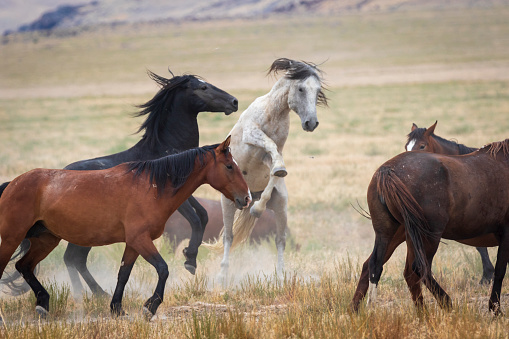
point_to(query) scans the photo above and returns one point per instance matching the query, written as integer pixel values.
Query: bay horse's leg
(363, 284)
(145, 247)
(75, 258)
(228, 208)
(487, 267)
(500, 269)
(414, 278)
(126, 266)
(278, 203)
(40, 247)
(197, 217)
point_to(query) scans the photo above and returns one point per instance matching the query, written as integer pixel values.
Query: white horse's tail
(242, 227)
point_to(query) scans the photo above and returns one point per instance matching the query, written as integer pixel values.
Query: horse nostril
(316, 125)
(235, 103)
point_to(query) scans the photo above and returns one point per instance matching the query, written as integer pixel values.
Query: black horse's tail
(400, 202)
(13, 282)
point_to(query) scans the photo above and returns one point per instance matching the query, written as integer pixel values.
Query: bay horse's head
(225, 176)
(421, 139)
(305, 91)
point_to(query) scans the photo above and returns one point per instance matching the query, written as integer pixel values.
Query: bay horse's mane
(418, 133)
(300, 70)
(175, 167)
(157, 108)
(495, 147)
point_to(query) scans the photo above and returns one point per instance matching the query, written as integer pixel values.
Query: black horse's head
(195, 93)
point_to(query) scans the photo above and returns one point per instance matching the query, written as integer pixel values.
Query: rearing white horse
(257, 142)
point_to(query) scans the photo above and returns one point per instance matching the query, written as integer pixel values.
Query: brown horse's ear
(226, 144)
(431, 129)
(414, 127)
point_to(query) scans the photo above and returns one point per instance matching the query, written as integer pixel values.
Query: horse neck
(277, 100)
(179, 132)
(451, 148)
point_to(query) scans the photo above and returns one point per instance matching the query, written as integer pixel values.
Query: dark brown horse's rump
(177, 229)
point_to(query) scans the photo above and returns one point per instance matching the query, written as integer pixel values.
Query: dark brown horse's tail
(13, 282)
(399, 200)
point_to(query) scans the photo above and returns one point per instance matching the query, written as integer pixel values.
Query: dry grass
(64, 99)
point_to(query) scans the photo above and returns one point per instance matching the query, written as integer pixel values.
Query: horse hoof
(147, 314)
(190, 268)
(279, 172)
(41, 312)
(255, 212)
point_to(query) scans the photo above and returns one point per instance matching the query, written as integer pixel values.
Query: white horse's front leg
(260, 205)
(228, 216)
(256, 137)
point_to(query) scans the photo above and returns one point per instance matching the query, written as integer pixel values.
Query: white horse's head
(305, 89)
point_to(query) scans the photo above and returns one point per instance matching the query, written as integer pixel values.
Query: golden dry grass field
(67, 97)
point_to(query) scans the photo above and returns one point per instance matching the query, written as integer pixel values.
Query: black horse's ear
(414, 127)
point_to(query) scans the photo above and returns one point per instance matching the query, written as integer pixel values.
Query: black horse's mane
(175, 167)
(156, 108)
(418, 133)
(300, 70)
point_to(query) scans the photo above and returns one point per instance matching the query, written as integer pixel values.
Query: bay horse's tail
(401, 204)
(14, 281)
(242, 227)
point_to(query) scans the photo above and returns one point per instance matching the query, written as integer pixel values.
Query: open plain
(70, 95)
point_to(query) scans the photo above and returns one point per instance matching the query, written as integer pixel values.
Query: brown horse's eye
(422, 147)
(229, 166)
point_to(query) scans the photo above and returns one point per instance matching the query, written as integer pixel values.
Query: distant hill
(71, 13)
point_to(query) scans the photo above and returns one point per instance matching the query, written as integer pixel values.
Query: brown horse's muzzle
(243, 201)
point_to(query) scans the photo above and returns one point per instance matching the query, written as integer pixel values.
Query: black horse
(171, 126)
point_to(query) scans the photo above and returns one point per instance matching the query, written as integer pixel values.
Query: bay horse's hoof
(41, 312)
(190, 268)
(190, 263)
(279, 172)
(147, 314)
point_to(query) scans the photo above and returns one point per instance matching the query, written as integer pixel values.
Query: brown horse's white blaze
(128, 203)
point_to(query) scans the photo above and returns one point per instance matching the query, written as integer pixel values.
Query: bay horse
(430, 196)
(424, 139)
(170, 126)
(257, 144)
(128, 203)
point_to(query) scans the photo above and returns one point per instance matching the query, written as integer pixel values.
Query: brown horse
(429, 196)
(128, 203)
(176, 232)
(424, 139)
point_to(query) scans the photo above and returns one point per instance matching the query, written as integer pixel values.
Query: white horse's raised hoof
(147, 314)
(279, 172)
(256, 210)
(41, 312)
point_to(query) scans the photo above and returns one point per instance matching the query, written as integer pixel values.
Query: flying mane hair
(174, 167)
(495, 147)
(300, 70)
(419, 132)
(156, 108)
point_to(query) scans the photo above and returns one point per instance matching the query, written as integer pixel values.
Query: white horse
(257, 142)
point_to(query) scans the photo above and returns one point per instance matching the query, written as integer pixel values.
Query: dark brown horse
(429, 196)
(176, 232)
(128, 203)
(424, 139)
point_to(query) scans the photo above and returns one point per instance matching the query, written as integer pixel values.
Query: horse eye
(422, 147)
(229, 166)
(300, 89)
(204, 87)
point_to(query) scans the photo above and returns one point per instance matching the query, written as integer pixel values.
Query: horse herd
(417, 197)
